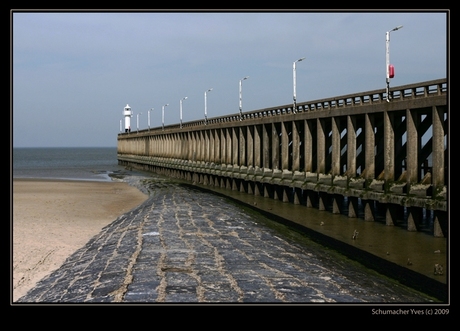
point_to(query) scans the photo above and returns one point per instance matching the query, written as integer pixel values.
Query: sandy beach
(51, 219)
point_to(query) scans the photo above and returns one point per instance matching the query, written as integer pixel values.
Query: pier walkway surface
(185, 245)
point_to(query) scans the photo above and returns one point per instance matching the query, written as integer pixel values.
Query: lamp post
(163, 115)
(138, 121)
(148, 116)
(181, 111)
(294, 109)
(121, 130)
(387, 63)
(241, 100)
(206, 107)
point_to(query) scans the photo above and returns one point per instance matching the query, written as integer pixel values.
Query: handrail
(410, 91)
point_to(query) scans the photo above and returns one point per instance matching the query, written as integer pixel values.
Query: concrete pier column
(389, 148)
(268, 190)
(311, 198)
(235, 146)
(207, 145)
(202, 145)
(275, 192)
(258, 146)
(351, 146)
(323, 200)
(287, 191)
(222, 146)
(199, 146)
(243, 186)
(229, 146)
(195, 153)
(412, 122)
(298, 196)
(191, 146)
(164, 148)
(147, 146)
(295, 146)
(321, 146)
(228, 183)
(250, 187)
(266, 129)
(170, 138)
(234, 184)
(440, 223)
(212, 144)
(223, 182)
(211, 180)
(174, 145)
(414, 217)
(250, 145)
(242, 146)
(337, 203)
(369, 148)
(178, 144)
(392, 214)
(438, 168)
(275, 147)
(353, 207)
(205, 179)
(308, 146)
(335, 166)
(258, 188)
(369, 212)
(284, 147)
(184, 145)
(168, 146)
(218, 149)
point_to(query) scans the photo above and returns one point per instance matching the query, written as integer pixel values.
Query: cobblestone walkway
(185, 246)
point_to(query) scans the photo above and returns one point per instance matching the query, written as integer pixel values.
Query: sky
(73, 72)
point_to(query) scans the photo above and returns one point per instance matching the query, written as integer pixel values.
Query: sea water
(76, 163)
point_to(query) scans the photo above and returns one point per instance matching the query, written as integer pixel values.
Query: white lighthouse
(128, 113)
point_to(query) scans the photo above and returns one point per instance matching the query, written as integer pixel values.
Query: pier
(357, 154)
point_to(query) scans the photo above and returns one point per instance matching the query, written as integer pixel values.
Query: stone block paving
(183, 245)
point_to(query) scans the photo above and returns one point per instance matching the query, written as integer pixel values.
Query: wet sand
(51, 219)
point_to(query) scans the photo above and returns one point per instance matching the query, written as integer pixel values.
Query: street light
(181, 111)
(138, 121)
(148, 116)
(294, 83)
(387, 43)
(206, 107)
(163, 115)
(241, 101)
